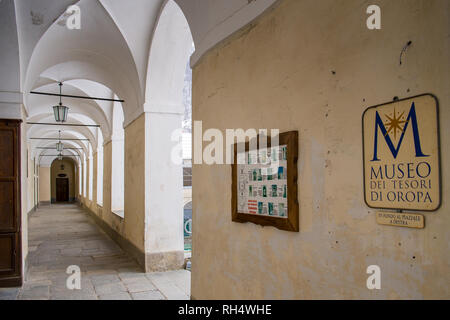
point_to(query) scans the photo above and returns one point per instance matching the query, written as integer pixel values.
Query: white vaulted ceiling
(115, 54)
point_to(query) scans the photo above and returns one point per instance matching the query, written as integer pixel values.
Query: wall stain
(37, 18)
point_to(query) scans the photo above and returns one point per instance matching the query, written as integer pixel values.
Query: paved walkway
(64, 235)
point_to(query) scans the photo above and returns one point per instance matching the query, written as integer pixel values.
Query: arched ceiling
(76, 163)
(88, 112)
(114, 54)
(97, 52)
(136, 21)
(169, 53)
(46, 148)
(71, 147)
(214, 20)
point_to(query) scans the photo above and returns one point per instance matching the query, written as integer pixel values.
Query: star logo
(395, 122)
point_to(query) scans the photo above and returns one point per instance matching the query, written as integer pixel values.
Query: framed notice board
(264, 183)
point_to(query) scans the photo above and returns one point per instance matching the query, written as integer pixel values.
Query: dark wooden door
(62, 189)
(10, 217)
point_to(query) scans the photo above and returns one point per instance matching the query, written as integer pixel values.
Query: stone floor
(64, 235)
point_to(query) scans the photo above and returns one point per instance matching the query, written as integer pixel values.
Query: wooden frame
(291, 223)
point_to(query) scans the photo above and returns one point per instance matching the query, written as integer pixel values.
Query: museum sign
(401, 155)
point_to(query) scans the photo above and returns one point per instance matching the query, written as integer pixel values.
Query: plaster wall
(153, 192)
(104, 211)
(30, 179)
(9, 55)
(107, 176)
(44, 184)
(24, 193)
(313, 66)
(134, 183)
(77, 181)
(134, 232)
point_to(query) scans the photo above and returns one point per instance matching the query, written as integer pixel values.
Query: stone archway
(63, 180)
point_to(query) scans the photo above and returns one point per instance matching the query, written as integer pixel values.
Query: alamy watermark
(74, 279)
(374, 280)
(73, 21)
(220, 149)
(374, 20)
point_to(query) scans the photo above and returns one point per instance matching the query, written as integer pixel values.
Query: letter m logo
(379, 126)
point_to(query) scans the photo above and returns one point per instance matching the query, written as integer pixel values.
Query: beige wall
(30, 176)
(154, 234)
(44, 184)
(135, 182)
(278, 73)
(24, 194)
(104, 212)
(131, 227)
(69, 170)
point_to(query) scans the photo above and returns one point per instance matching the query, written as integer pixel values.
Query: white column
(164, 196)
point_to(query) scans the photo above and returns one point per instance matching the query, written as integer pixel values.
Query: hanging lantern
(59, 147)
(60, 111)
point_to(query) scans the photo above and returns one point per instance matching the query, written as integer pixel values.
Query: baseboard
(164, 261)
(11, 282)
(31, 212)
(124, 243)
(26, 267)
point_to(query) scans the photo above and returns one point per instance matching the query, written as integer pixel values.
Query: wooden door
(62, 189)
(10, 216)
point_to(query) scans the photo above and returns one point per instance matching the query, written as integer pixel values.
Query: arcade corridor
(262, 149)
(64, 235)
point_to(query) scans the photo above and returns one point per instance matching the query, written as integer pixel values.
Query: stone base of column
(164, 261)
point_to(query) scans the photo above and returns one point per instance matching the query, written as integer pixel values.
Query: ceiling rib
(59, 139)
(76, 97)
(65, 124)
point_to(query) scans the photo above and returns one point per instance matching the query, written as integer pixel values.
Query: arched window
(100, 168)
(91, 173)
(118, 159)
(84, 176)
(80, 179)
